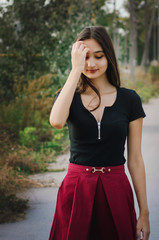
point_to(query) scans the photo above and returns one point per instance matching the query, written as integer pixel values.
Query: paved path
(36, 225)
(151, 158)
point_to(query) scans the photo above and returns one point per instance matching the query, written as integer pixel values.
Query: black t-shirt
(102, 144)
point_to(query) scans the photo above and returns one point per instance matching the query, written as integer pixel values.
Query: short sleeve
(136, 107)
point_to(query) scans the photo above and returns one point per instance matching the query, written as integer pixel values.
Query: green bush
(11, 115)
(11, 207)
(58, 143)
(153, 70)
(147, 92)
(28, 136)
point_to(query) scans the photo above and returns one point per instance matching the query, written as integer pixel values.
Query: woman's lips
(92, 70)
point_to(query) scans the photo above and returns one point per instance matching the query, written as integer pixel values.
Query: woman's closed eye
(98, 57)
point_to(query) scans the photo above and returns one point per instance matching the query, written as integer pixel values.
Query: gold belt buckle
(98, 170)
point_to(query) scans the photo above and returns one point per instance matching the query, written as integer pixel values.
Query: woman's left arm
(137, 171)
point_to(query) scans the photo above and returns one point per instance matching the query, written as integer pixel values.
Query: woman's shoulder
(128, 92)
(130, 96)
(134, 103)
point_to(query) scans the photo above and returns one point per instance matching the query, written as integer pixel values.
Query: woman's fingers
(78, 55)
(138, 233)
(143, 228)
(82, 46)
(77, 45)
(145, 233)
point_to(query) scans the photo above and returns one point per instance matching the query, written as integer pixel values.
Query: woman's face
(96, 63)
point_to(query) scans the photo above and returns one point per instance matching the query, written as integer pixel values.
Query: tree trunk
(126, 50)
(158, 33)
(133, 37)
(154, 41)
(147, 35)
(114, 27)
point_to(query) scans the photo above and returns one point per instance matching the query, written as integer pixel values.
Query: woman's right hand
(78, 55)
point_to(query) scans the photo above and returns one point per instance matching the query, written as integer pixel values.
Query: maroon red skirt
(94, 204)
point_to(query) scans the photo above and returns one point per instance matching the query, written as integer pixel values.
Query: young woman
(95, 199)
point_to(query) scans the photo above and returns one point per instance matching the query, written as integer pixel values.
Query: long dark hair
(100, 34)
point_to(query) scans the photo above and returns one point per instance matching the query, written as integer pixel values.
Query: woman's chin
(92, 75)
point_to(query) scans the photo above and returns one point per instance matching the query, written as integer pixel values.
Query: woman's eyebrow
(99, 51)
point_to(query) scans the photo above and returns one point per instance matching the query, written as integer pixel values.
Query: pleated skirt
(94, 204)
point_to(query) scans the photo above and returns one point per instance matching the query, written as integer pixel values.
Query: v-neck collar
(106, 107)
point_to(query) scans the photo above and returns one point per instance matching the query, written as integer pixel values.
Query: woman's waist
(96, 170)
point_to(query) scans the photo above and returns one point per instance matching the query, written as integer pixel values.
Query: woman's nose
(90, 62)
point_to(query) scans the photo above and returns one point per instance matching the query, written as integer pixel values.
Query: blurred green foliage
(147, 92)
(154, 70)
(28, 136)
(36, 38)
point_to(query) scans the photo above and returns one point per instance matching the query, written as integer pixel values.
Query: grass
(143, 84)
(56, 170)
(16, 163)
(12, 208)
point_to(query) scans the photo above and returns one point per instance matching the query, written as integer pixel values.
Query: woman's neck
(102, 85)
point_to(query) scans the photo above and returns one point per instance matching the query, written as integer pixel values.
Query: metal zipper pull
(98, 130)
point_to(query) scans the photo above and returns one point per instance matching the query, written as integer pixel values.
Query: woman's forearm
(60, 109)
(137, 172)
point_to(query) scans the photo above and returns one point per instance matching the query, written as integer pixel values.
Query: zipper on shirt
(99, 129)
